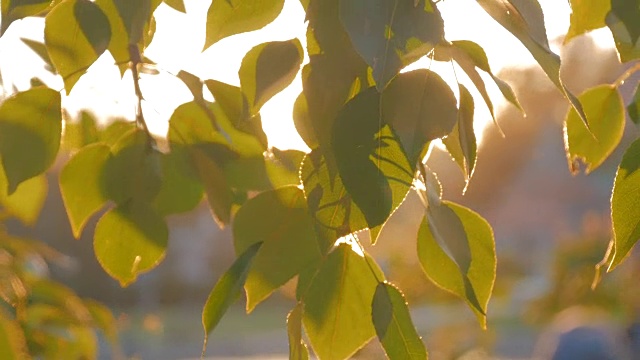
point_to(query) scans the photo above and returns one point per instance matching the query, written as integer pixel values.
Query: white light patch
(351, 240)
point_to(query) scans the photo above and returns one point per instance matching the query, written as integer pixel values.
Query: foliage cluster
(295, 215)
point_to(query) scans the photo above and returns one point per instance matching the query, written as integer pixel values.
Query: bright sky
(179, 40)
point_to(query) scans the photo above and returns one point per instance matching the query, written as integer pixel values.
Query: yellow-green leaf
(586, 15)
(267, 69)
(81, 185)
(13, 10)
(12, 340)
(181, 189)
(297, 348)
(457, 252)
(129, 240)
(461, 143)
(76, 33)
(622, 20)
(230, 17)
(337, 311)
(279, 220)
(604, 108)
(177, 5)
(625, 205)
(226, 291)
(393, 324)
(27, 201)
(30, 127)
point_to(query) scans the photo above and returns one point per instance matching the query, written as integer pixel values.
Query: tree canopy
(298, 215)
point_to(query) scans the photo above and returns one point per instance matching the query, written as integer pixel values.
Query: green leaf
(268, 69)
(230, 17)
(181, 189)
(605, 117)
(115, 131)
(30, 127)
(219, 195)
(420, 107)
(337, 311)
(177, 5)
(13, 10)
(625, 205)
(226, 291)
(81, 132)
(12, 339)
(369, 157)
(622, 20)
(586, 15)
(130, 240)
(134, 156)
(457, 252)
(131, 22)
(524, 19)
(235, 106)
(76, 33)
(80, 185)
(41, 50)
(27, 201)
(393, 324)
(302, 121)
(390, 35)
(461, 143)
(634, 107)
(280, 220)
(297, 348)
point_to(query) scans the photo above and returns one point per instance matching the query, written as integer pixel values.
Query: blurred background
(551, 228)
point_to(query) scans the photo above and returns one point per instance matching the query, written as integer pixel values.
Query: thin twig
(134, 55)
(625, 75)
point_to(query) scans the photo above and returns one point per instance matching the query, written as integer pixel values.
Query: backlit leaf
(226, 291)
(302, 121)
(279, 220)
(30, 127)
(103, 319)
(267, 69)
(390, 35)
(297, 348)
(13, 10)
(27, 201)
(181, 189)
(12, 340)
(524, 19)
(177, 5)
(420, 107)
(129, 240)
(586, 15)
(622, 21)
(604, 108)
(134, 156)
(230, 17)
(370, 159)
(41, 50)
(393, 324)
(337, 311)
(215, 185)
(76, 33)
(625, 205)
(461, 143)
(80, 185)
(457, 252)
(634, 107)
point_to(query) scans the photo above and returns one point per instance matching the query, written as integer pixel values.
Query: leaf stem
(625, 75)
(136, 59)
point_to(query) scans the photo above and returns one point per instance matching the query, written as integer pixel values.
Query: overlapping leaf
(604, 108)
(12, 10)
(586, 15)
(76, 33)
(230, 17)
(625, 205)
(420, 107)
(80, 185)
(337, 312)
(12, 340)
(27, 201)
(129, 240)
(461, 143)
(456, 250)
(373, 167)
(393, 324)
(297, 348)
(181, 189)
(226, 291)
(279, 219)
(622, 20)
(634, 107)
(30, 127)
(267, 69)
(389, 35)
(177, 5)
(524, 19)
